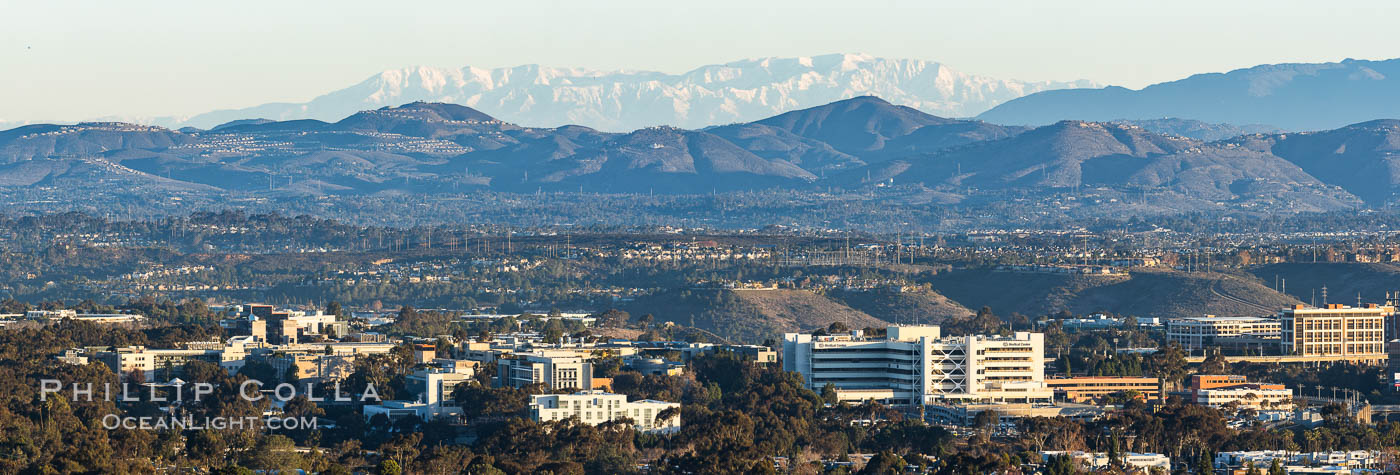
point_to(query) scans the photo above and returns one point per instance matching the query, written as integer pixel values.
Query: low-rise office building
(1255, 396)
(1145, 462)
(1221, 389)
(1209, 331)
(1303, 462)
(1088, 389)
(397, 409)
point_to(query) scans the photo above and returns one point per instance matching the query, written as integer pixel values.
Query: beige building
(313, 366)
(1091, 388)
(149, 361)
(1335, 332)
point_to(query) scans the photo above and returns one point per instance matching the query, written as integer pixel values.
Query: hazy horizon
(98, 59)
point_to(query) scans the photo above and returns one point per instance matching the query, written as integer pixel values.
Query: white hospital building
(916, 365)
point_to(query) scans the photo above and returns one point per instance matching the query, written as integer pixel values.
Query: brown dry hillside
(749, 315)
(917, 306)
(1344, 280)
(1143, 293)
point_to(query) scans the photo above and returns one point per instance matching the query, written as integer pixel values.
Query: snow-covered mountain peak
(737, 91)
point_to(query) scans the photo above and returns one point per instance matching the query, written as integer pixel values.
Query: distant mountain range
(863, 143)
(1110, 156)
(740, 91)
(1261, 99)
(1297, 96)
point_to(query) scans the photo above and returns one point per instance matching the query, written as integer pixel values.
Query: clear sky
(67, 60)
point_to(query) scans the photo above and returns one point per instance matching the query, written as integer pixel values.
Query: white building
(438, 383)
(1197, 333)
(1252, 396)
(1304, 462)
(397, 409)
(914, 365)
(316, 323)
(542, 367)
(434, 387)
(1094, 321)
(83, 317)
(596, 407)
(1098, 460)
(266, 323)
(73, 356)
